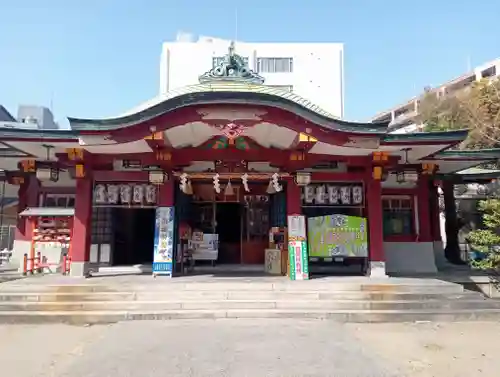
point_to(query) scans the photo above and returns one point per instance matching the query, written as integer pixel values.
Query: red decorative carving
(231, 130)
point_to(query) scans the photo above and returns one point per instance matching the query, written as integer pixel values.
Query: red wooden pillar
(424, 204)
(28, 197)
(375, 228)
(293, 198)
(82, 228)
(166, 193)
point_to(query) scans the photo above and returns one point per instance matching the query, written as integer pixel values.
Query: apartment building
(314, 71)
(403, 117)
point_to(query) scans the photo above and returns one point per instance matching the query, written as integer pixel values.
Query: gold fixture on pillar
(380, 156)
(429, 168)
(28, 166)
(378, 173)
(75, 154)
(79, 171)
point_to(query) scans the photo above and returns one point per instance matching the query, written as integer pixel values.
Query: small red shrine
(234, 157)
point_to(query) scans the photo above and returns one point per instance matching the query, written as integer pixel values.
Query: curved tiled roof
(227, 92)
(240, 87)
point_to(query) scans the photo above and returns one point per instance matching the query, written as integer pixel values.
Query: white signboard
(297, 227)
(333, 194)
(125, 194)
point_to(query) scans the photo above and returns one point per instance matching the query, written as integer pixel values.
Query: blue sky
(98, 58)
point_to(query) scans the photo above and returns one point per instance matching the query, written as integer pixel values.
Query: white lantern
(151, 194)
(157, 177)
(302, 178)
(138, 193)
(113, 194)
(125, 194)
(47, 174)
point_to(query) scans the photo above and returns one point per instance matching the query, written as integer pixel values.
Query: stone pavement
(251, 348)
(185, 348)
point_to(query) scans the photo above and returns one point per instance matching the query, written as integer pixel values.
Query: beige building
(403, 118)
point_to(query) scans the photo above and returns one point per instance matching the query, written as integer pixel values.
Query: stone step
(351, 305)
(303, 286)
(229, 295)
(73, 317)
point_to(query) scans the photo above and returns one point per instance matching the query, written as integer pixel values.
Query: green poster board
(337, 236)
(299, 263)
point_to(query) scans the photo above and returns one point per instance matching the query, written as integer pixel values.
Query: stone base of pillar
(377, 270)
(79, 269)
(439, 257)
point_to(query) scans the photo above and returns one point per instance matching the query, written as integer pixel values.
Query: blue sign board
(164, 241)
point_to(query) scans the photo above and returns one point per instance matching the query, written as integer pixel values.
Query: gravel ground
(434, 349)
(250, 348)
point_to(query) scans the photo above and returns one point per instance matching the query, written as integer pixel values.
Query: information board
(299, 263)
(337, 236)
(164, 241)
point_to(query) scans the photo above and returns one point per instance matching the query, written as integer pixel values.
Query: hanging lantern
(157, 177)
(406, 176)
(47, 174)
(400, 177)
(302, 178)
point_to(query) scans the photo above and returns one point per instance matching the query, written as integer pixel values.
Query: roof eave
(448, 137)
(226, 97)
(473, 154)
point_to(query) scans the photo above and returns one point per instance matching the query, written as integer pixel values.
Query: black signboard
(334, 194)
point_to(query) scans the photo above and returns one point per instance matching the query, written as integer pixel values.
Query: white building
(403, 117)
(314, 71)
(29, 117)
(40, 116)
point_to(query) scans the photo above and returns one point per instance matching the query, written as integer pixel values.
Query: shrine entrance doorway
(229, 228)
(237, 218)
(133, 234)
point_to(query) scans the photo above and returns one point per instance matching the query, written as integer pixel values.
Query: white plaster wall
(20, 248)
(53, 255)
(317, 67)
(410, 257)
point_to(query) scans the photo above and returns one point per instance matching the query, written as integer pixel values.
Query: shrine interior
(228, 227)
(133, 231)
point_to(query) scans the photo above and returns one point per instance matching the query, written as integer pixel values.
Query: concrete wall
(317, 67)
(410, 257)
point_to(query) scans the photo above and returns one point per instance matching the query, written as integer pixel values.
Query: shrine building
(234, 158)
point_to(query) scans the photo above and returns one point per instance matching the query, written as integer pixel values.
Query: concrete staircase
(346, 300)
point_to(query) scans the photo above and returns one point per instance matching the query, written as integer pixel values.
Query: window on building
(398, 215)
(274, 65)
(286, 88)
(490, 72)
(219, 59)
